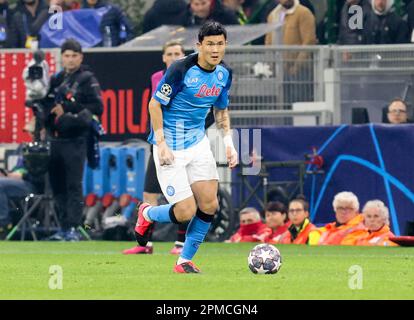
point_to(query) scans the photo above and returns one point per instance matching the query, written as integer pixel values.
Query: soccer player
(185, 165)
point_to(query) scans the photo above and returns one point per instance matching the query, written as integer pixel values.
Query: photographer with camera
(36, 79)
(73, 100)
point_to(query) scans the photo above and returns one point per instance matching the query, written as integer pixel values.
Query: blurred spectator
(298, 29)
(410, 20)
(375, 229)
(66, 5)
(164, 12)
(199, 11)
(384, 26)
(115, 26)
(276, 219)
(252, 229)
(346, 207)
(397, 112)
(348, 36)
(298, 24)
(298, 232)
(237, 7)
(6, 15)
(26, 23)
(272, 4)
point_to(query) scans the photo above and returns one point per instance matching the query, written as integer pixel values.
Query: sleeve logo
(166, 89)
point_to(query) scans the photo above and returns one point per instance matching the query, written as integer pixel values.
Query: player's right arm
(166, 90)
(165, 155)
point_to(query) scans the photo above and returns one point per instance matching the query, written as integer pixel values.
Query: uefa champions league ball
(264, 259)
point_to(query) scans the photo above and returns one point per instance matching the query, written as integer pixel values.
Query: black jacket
(219, 13)
(24, 24)
(6, 15)
(6, 12)
(410, 17)
(80, 95)
(386, 29)
(116, 20)
(164, 12)
(348, 36)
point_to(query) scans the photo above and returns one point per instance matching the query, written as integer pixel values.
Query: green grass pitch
(98, 270)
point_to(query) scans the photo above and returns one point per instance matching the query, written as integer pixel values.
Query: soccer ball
(264, 259)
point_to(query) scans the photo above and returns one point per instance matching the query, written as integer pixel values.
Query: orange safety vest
(302, 237)
(333, 235)
(366, 238)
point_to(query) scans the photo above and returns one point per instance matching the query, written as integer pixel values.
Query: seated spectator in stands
(375, 230)
(276, 219)
(16, 183)
(6, 15)
(237, 7)
(298, 232)
(252, 229)
(397, 112)
(199, 11)
(26, 23)
(346, 207)
(384, 26)
(114, 22)
(347, 34)
(164, 12)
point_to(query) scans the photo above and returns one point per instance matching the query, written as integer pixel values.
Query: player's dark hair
(211, 28)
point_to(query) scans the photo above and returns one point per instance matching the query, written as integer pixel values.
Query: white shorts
(190, 165)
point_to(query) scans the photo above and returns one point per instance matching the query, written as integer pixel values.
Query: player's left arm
(223, 124)
(222, 118)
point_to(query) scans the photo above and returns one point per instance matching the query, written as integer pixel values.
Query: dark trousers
(10, 188)
(66, 172)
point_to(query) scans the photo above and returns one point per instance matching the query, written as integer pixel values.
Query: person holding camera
(36, 79)
(73, 100)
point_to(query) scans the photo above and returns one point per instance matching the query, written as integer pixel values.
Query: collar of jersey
(205, 70)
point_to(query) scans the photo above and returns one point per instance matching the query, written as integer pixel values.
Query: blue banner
(372, 161)
(82, 25)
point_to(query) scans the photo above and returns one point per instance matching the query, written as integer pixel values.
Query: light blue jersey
(186, 93)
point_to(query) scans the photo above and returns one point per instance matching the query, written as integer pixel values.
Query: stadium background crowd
(305, 23)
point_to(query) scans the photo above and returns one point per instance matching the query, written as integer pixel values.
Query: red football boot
(139, 250)
(186, 267)
(142, 227)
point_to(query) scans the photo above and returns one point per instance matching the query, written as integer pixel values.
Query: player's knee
(209, 207)
(185, 211)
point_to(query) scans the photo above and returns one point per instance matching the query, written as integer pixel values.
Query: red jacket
(251, 232)
(277, 232)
